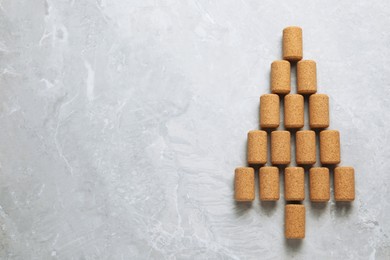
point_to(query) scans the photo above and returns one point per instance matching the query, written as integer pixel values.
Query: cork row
(305, 147)
(294, 111)
(294, 184)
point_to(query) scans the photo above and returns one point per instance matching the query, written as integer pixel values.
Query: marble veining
(122, 123)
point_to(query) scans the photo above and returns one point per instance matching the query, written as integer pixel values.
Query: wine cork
(244, 184)
(294, 184)
(257, 147)
(269, 111)
(330, 147)
(305, 147)
(319, 111)
(269, 183)
(306, 77)
(294, 111)
(319, 184)
(344, 183)
(280, 147)
(280, 77)
(292, 43)
(294, 221)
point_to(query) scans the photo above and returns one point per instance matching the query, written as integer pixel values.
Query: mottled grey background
(121, 123)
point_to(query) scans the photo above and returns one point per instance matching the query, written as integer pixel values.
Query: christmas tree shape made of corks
(306, 142)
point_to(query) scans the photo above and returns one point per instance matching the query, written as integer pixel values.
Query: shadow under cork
(293, 245)
(268, 207)
(343, 208)
(242, 207)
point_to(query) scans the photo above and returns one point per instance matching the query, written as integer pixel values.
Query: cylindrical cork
(330, 147)
(269, 111)
(244, 184)
(319, 184)
(344, 184)
(305, 147)
(306, 77)
(257, 147)
(294, 184)
(292, 43)
(269, 183)
(319, 111)
(294, 111)
(280, 77)
(294, 221)
(280, 147)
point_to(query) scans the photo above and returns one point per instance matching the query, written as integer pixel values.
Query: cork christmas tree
(305, 142)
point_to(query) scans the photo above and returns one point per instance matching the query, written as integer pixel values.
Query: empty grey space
(121, 124)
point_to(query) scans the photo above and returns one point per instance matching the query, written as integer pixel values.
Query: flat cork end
(292, 58)
(292, 27)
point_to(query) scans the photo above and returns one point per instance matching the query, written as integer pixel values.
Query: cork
(319, 184)
(294, 111)
(280, 147)
(306, 77)
(269, 111)
(294, 184)
(257, 147)
(280, 77)
(294, 221)
(305, 147)
(292, 43)
(319, 111)
(344, 183)
(269, 183)
(244, 184)
(330, 147)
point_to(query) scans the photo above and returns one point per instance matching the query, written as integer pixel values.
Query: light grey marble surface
(122, 122)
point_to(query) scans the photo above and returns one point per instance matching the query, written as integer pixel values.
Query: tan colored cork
(330, 147)
(280, 147)
(244, 184)
(257, 147)
(294, 221)
(305, 147)
(294, 111)
(292, 43)
(344, 183)
(319, 184)
(269, 111)
(294, 184)
(319, 111)
(306, 77)
(269, 183)
(280, 77)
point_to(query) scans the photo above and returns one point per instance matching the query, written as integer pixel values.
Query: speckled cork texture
(319, 184)
(269, 183)
(344, 183)
(330, 147)
(280, 147)
(257, 147)
(305, 147)
(292, 43)
(244, 184)
(306, 77)
(269, 111)
(280, 77)
(294, 221)
(294, 111)
(294, 184)
(319, 111)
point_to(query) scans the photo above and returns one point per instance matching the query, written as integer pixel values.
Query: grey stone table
(122, 122)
